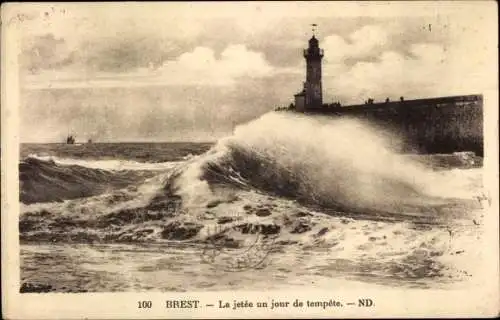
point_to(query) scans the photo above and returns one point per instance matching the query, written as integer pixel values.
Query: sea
(284, 202)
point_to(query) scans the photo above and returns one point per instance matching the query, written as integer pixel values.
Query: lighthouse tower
(311, 96)
(312, 86)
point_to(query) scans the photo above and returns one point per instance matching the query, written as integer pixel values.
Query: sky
(191, 71)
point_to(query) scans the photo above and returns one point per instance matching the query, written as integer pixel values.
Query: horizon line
(104, 142)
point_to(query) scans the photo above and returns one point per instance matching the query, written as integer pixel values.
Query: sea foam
(339, 163)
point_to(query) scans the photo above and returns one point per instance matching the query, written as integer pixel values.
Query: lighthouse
(311, 97)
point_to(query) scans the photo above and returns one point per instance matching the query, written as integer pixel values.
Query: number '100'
(144, 304)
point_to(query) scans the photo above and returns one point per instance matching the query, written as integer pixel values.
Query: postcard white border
(480, 299)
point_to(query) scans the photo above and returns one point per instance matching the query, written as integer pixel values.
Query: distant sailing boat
(70, 139)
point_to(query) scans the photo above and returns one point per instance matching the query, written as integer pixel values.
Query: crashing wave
(265, 179)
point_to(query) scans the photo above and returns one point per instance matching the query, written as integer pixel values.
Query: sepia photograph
(219, 147)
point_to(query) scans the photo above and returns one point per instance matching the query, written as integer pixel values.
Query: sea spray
(341, 163)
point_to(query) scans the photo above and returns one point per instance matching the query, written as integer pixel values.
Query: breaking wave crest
(113, 165)
(340, 164)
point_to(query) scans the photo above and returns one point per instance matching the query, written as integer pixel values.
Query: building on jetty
(434, 125)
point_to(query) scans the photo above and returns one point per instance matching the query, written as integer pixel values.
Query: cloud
(429, 72)
(45, 52)
(362, 43)
(199, 67)
(367, 38)
(122, 54)
(366, 64)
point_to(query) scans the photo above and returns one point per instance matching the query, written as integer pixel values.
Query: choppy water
(285, 201)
